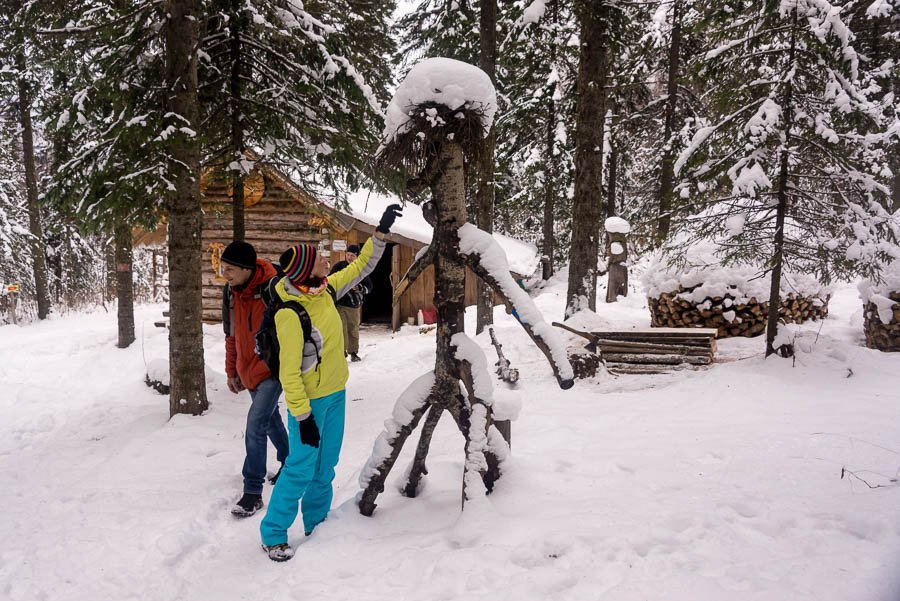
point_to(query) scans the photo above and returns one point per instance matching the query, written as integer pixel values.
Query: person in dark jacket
(242, 313)
(349, 306)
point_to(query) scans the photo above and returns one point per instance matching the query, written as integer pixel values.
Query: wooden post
(617, 247)
(12, 307)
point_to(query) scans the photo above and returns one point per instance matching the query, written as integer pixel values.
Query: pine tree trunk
(34, 214)
(484, 215)
(449, 276)
(547, 244)
(778, 255)
(593, 69)
(187, 393)
(895, 169)
(237, 126)
(667, 172)
(611, 185)
(124, 283)
(109, 290)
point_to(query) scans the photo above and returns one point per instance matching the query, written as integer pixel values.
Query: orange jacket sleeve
(230, 357)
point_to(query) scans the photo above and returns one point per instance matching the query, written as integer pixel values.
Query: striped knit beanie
(298, 262)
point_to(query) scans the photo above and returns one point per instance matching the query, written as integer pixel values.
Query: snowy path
(697, 485)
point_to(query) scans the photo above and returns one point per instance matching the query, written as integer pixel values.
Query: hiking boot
(281, 552)
(247, 506)
(354, 357)
(274, 479)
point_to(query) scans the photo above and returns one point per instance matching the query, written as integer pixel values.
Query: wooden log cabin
(278, 213)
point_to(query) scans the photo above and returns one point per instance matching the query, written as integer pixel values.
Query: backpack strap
(228, 310)
(305, 325)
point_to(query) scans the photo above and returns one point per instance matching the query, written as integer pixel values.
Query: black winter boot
(281, 552)
(247, 505)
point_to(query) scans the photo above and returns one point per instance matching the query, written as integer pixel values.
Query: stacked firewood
(879, 335)
(729, 317)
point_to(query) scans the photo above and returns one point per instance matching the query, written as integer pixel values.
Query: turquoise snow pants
(307, 473)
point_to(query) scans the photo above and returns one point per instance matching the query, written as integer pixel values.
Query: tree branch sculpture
(433, 145)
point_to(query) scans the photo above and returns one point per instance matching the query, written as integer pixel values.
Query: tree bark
(484, 214)
(34, 213)
(613, 180)
(186, 366)
(547, 244)
(778, 255)
(667, 171)
(418, 469)
(237, 126)
(449, 275)
(593, 70)
(124, 283)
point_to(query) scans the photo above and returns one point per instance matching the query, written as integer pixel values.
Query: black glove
(387, 219)
(309, 431)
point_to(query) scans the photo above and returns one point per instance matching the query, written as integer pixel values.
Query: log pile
(881, 336)
(645, 350)
(729, 317)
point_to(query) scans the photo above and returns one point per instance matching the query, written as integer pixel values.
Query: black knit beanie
(240, 254)
(353, 249)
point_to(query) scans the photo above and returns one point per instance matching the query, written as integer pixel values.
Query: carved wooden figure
(434, 148)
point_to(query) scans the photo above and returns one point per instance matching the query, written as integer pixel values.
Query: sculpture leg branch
(375, 486)
(418, 466)
(473, 263)
(477, 442)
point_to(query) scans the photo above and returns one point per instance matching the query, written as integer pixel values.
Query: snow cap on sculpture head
(440, 100)
(298, 262)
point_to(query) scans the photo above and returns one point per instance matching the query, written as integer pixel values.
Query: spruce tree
(20, 78)
(786, 101)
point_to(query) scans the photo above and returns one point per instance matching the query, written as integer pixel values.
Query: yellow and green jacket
(302, 376)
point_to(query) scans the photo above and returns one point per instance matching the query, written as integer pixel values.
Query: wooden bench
(650, 350)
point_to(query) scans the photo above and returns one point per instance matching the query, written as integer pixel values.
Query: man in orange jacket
(242, 313)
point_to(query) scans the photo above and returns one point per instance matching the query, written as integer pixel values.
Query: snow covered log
(701, 291)
(881, 309)
(732, 318)
(880, 335)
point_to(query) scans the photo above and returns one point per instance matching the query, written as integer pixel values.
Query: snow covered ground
(719, 484)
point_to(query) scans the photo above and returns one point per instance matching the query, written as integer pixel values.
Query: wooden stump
(617, 284)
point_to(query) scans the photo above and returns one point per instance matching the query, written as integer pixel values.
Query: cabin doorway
(378, 305)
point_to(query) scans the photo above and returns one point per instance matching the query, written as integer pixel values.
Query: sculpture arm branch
(473, 263)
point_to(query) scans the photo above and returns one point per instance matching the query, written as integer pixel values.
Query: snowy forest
(730, 166)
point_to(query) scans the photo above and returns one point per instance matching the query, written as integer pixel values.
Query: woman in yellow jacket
(315, 392)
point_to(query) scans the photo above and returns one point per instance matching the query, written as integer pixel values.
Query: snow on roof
(444, 81)
(367, 206)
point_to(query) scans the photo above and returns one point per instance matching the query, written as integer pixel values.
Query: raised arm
(344, 280)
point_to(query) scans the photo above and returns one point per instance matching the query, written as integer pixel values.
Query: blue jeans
(263, 421)
(308, 472)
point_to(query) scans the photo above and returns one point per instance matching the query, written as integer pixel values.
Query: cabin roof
(367, 206)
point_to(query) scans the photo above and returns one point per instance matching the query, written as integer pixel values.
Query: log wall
(881, 336)
(276, 222)
(746, 319)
